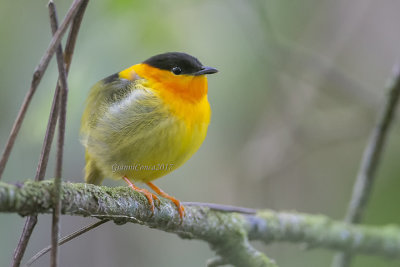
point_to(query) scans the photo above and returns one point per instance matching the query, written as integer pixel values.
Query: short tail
(93, 175)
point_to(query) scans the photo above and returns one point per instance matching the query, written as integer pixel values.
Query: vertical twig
(63, 85)
(370, 161)
(37, 77)
(64, 63)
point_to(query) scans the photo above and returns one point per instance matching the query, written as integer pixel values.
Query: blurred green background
(299, 89)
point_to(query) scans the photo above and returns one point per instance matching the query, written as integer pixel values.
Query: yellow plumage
(144, 122)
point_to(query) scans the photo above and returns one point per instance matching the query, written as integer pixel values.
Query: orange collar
(187, 87)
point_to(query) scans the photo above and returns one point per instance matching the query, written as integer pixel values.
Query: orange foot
(177, 203)
(148, 194)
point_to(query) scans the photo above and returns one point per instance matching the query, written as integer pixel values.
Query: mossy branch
(228, 233)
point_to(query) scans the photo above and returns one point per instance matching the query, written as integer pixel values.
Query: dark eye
(176, 70)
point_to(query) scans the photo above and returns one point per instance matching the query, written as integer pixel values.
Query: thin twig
(64, 240)
(57, 182)
(61, 59)
(48, 139)
(73, 34)
(370, 161)
(37, 76)
(39, 71)
(68, 53)
(30, 224)
(40, 172)
(373, 154)
(220, 207)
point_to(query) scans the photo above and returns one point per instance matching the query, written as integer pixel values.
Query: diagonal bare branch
(73, 34)
(37, 77)
(370, 162)
(19, 251)
(65, 240)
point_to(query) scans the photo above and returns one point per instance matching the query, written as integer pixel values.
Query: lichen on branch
(228, 233)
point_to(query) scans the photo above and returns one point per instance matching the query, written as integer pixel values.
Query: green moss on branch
(228, 233)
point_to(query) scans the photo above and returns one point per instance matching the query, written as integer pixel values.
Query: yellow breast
(186, 114)
(184, 95)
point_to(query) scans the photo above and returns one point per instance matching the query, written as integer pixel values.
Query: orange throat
(185, 95)
(186, 87)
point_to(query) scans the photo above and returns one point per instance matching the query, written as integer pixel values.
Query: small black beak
(205, 70)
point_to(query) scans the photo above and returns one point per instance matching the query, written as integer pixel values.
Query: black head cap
(179, 63)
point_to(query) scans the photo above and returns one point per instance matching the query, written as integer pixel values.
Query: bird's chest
(187, 127)
(158, 129)
(170, 143)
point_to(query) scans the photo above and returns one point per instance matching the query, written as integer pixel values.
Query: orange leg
(148, 194)
(177, 203)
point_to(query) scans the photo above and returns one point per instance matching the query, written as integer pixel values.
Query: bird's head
(178, 73)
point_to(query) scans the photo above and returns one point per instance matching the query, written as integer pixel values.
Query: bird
(146, 121)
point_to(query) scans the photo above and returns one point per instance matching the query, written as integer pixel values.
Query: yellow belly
(162, 152)
(146, 146)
